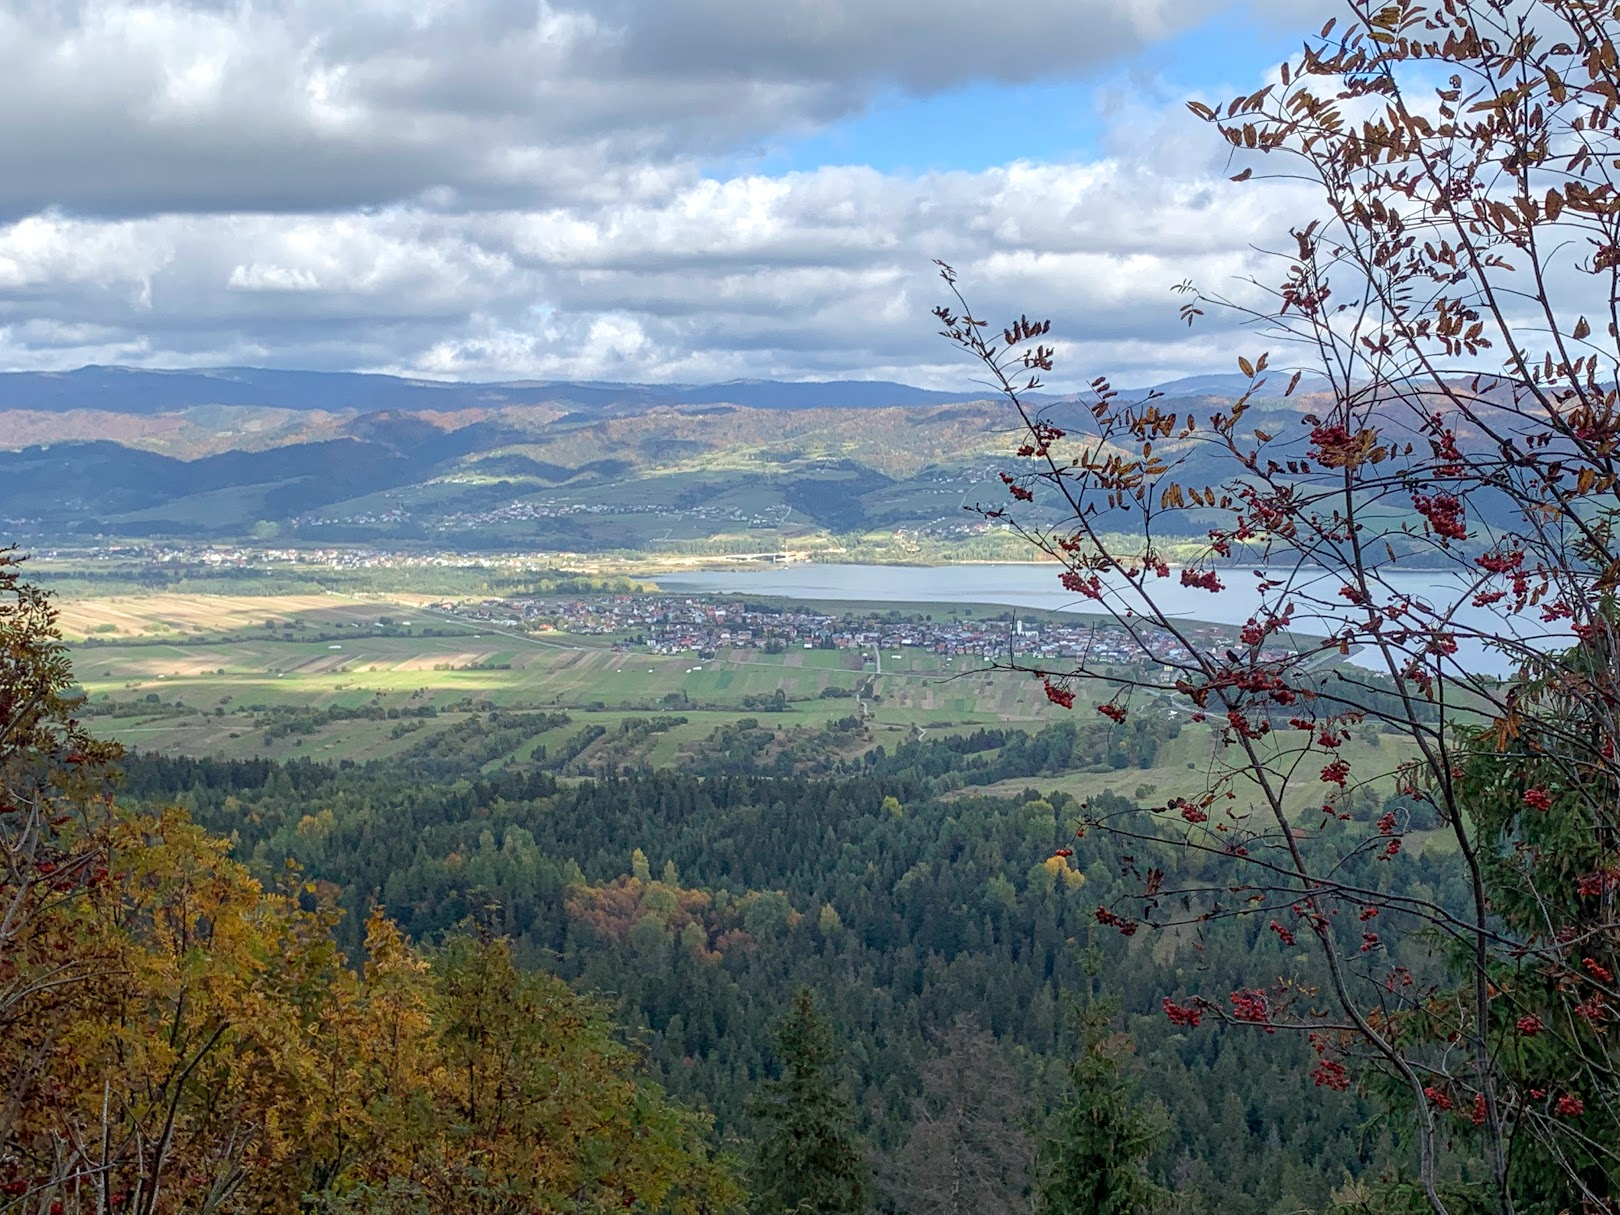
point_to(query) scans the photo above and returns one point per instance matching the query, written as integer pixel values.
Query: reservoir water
(1036, 586)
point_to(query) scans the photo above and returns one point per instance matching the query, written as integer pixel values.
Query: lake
(1036, 586)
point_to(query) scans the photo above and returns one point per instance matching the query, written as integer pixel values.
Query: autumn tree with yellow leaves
(176, 1037)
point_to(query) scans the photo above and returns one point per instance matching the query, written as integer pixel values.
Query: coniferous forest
(683, 969)
(701, 905)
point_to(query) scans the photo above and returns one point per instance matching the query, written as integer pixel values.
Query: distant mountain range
(130, 390)
(138, 391)
(239, 453)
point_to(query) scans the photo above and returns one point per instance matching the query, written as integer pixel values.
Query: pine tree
(810, 1159)
(1092, 1162)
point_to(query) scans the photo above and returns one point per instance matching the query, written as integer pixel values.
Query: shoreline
(271, 558)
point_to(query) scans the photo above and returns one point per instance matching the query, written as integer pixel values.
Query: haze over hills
(140, 391)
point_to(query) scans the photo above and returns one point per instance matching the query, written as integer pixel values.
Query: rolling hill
(319, 457)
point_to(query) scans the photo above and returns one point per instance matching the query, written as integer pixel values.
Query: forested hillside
(702, 904)
(178, 1036)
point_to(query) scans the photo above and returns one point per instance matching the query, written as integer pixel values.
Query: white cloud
(129, 106)
(505, 188)
(259, 277)
(826, 273)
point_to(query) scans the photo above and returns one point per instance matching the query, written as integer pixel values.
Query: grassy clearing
(1187, 765)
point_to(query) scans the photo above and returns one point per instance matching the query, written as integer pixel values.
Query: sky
(634, 190)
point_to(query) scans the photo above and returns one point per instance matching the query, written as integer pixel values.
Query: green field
(514, 671)
(194, 674)
(1187, 763)
(239, 677)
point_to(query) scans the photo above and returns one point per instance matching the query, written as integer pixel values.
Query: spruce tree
(1093, 1159)
(810, 1158)
(968, 1152)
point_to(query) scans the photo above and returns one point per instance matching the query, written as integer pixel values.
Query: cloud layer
(488, 188)
(121, 107)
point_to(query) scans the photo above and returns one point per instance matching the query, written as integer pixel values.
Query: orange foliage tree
(175, 1037)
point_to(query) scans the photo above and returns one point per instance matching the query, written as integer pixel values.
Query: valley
(729, 608)
(693, 702)
(613, 683)
(697, 803)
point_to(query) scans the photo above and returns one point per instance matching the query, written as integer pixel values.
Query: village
(702, 626)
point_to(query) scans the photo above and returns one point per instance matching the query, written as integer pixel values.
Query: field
(189, 674)
(1185, 766)
(337, 677)
(152, 616)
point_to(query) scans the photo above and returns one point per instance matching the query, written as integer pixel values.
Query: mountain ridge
(158, 391)
(148, 391)
(460, 465)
